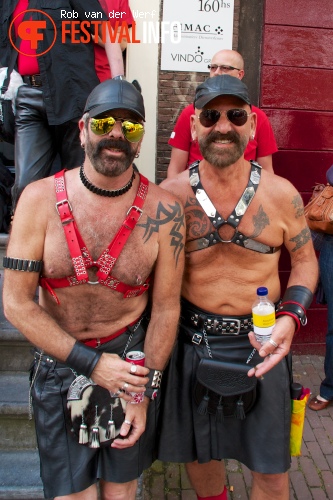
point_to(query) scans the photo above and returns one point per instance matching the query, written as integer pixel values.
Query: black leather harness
(234, 218)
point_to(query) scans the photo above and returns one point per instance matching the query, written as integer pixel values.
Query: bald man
(185, 150)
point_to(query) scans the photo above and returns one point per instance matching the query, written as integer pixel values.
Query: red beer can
(136, 358)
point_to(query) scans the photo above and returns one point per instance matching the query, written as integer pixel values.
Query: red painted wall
(297, 95)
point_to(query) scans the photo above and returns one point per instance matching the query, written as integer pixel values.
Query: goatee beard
(108, 166)
(223, 158)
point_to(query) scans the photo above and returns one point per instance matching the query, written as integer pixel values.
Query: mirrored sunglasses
(209, 117)
(132, 131)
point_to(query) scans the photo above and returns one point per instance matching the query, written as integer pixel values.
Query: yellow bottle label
(264, 321)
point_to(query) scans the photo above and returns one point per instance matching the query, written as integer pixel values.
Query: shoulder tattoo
(301, 239)
(298, 205)
(164, 215)
(260, 221)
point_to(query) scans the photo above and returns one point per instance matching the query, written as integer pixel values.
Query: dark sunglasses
(132, 131)
(209, 117)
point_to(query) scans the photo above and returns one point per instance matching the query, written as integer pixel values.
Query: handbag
(95, 415)
(319, 211)
(223, 388)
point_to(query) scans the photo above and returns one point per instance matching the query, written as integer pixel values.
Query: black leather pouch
(224, 388)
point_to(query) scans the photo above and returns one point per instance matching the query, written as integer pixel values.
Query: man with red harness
(95, 238)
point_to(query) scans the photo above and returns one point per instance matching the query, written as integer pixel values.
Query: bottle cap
(261, 291)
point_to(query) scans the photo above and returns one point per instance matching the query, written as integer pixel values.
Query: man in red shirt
(122, 8)
(185, 150)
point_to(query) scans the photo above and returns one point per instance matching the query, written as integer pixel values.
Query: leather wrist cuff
(83, 359)
(295, 302)
(152, 388)
(30, 266)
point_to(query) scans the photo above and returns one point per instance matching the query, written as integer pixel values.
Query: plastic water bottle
(263, 316)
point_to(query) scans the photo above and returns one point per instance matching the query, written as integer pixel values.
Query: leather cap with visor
(220, 85)
(115, 94)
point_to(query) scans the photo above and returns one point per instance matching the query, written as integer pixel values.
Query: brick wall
(176, 90)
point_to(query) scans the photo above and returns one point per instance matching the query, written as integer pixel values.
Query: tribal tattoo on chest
(197, 223)
(260, 221)
(165, 215)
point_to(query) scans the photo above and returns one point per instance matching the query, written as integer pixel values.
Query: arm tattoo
(301, 239)
(164, 216)
(260, 221)
(298, 205)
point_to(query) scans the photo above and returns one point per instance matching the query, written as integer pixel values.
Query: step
(3, 245)
(19, 475)
(17, 431)
(20, 479)
(16, 353)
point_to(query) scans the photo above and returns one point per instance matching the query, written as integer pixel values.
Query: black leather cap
(218, 86)
(115, 94)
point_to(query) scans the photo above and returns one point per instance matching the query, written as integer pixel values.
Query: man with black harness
(95, 239)
(225, 395)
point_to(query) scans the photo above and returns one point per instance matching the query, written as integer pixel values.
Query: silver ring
(128, 422)
(124, 386)
(133, 369)
(271, 341)
(116, 394)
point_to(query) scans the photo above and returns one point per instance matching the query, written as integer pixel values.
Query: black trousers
(37, 143)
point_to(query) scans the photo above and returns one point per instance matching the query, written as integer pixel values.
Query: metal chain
(32, 383)
(207, 344)
(210, 351)
(135, 327)
(251, 356)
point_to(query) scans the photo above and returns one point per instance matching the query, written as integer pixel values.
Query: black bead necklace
(111, 193)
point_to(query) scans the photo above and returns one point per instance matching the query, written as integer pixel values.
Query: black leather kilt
(67, 466)
(261, 440)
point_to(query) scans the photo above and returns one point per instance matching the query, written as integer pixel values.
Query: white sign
(202, 28)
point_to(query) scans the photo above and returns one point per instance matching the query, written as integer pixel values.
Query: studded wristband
(152, 388)
(30, 266)
(83, 359)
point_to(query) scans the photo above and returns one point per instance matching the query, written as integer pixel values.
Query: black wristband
(83, 359)
(152, 388)
(295, 302)
(299, 294)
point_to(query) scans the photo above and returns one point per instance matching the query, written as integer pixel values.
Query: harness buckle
(197, 338)
(63, 202)
(134, 207)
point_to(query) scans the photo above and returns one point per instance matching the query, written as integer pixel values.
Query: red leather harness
(80, 255)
